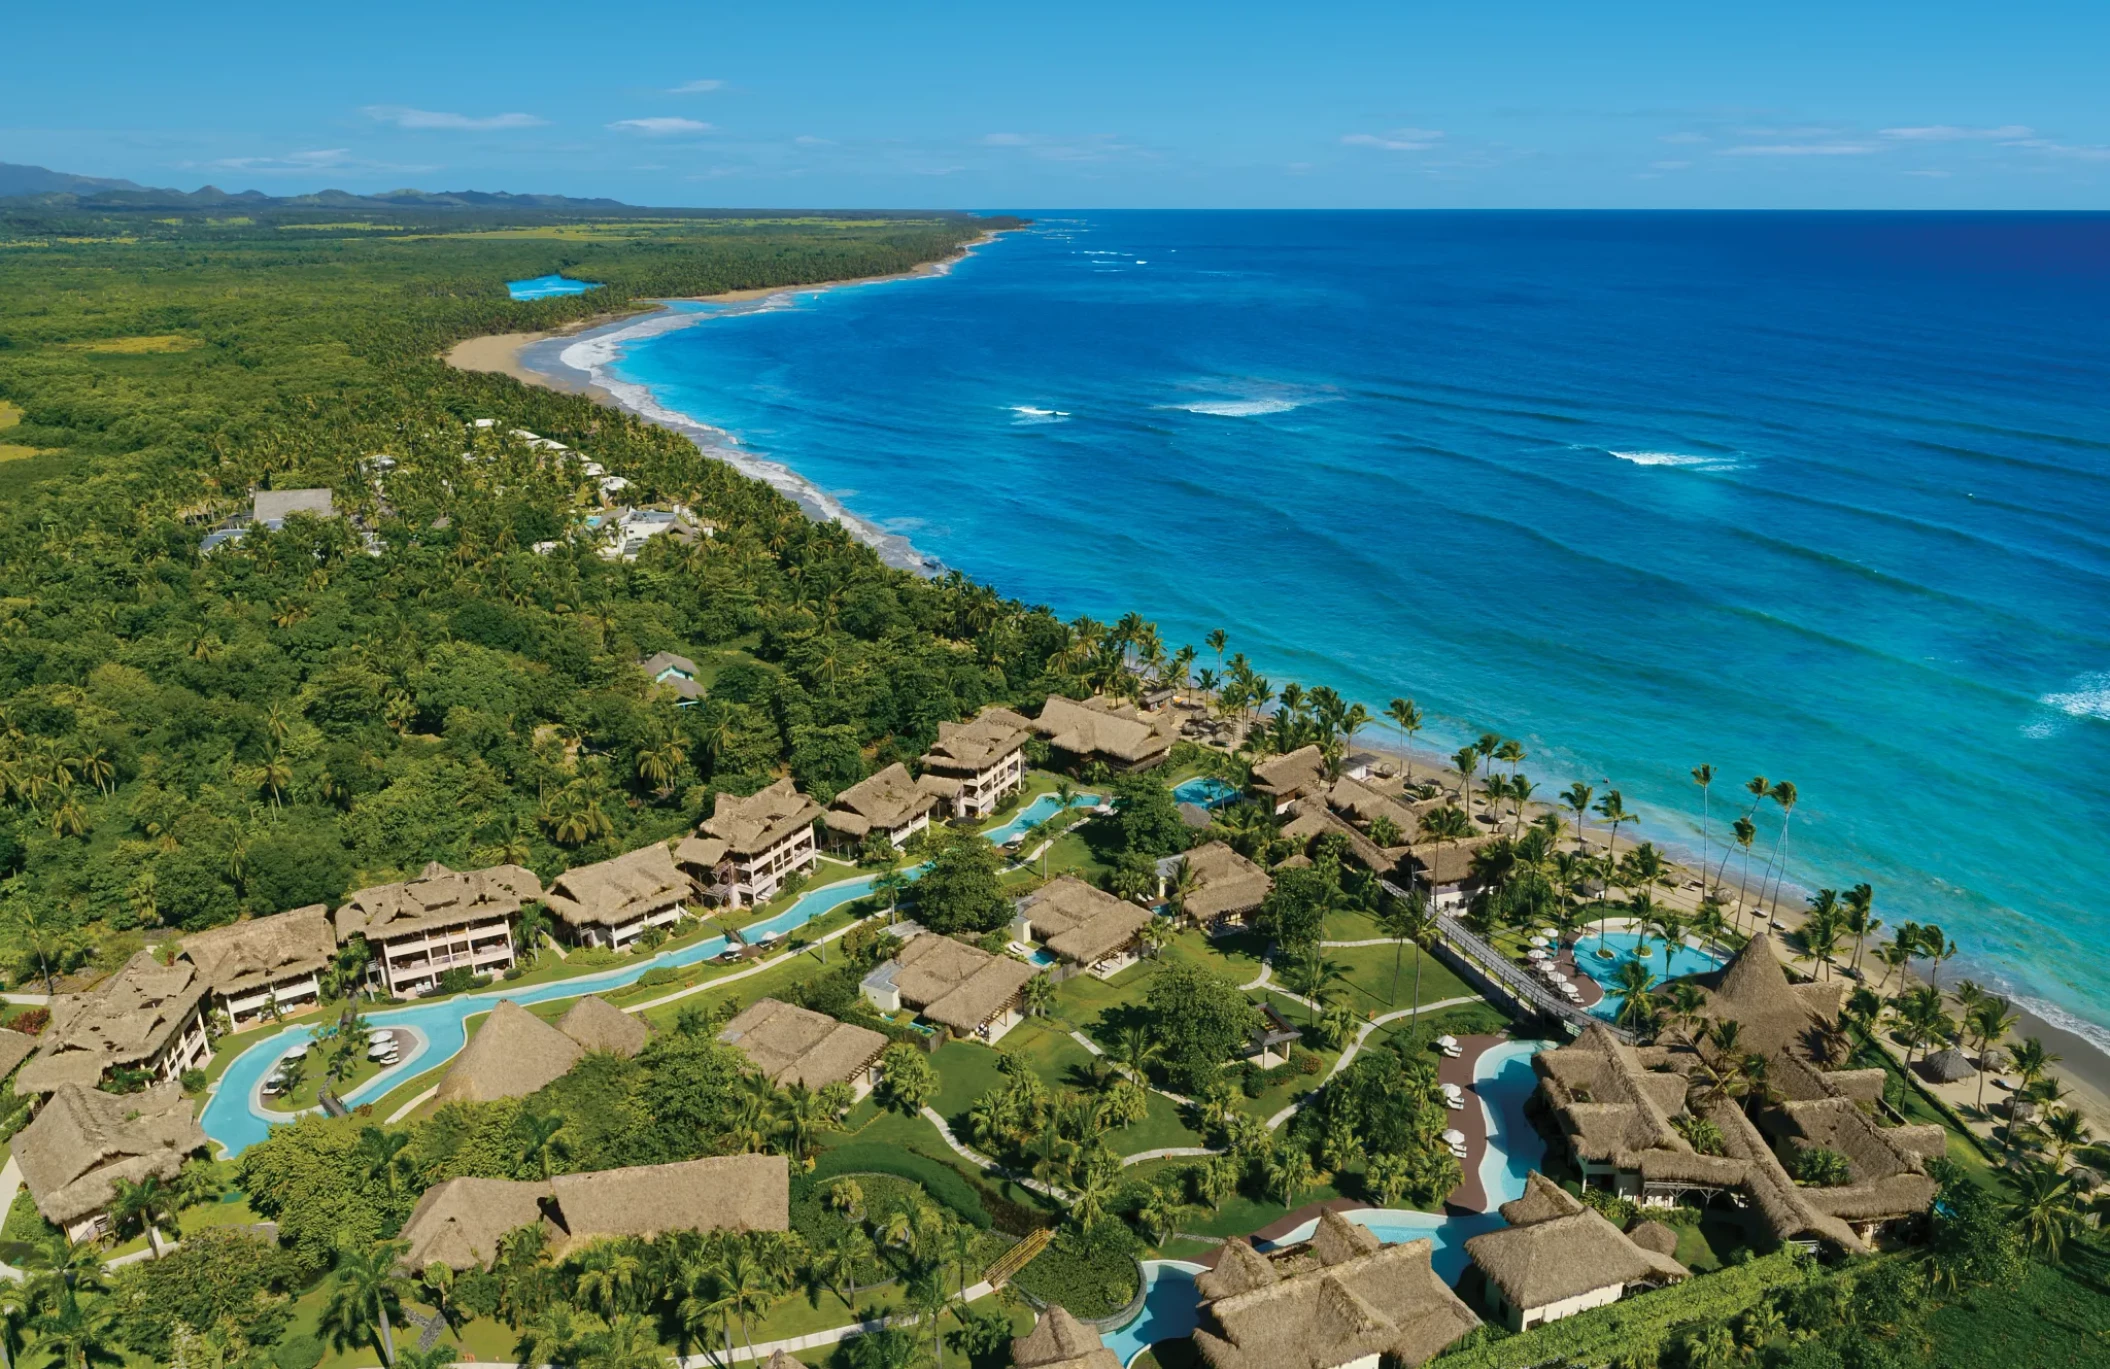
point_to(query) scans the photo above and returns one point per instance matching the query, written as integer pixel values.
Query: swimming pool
(1628, 946)
(548, 287)
(1036, 812)
(1205, 791)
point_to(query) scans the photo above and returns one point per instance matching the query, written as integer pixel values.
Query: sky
(1504, 103)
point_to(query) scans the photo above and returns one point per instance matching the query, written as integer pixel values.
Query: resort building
(1312, 817)
(612, 902)
(83, 1141)
(748, 847)
(264, 966)
(974, 766)
(1339, 1301)
(1614, 1103)
(889, 802)
(1558, 1257)
(515, 1053)
(1282, 780)
(1105, 730)
(1364, 804)
(1445, 870)
(15, 1047)
(1060, 1341)
(419, 929)
(951, 983)
(1087, 927)
(677, 674)
(148, 1017)
(1771, 1013)
(1222, 889)
(792, 1045)
(459, 1223)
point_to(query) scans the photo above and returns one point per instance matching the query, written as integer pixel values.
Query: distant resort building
(1558, 1256)
(1282, 780)
(265, 965)
(419, 929)
(631, 530)
(515, 1053)
(1225, 892)
(460, 1223)
(1106, 730)
(675, 673)
(955, 985)
(83, 1141)
(613, 902)
(1087, 927)
(792, 1045)
(1060, 1341)
(147, 1017)
(270, 509)
(889, 802)
(974, 766)
(1340, 1301)
(748, 847)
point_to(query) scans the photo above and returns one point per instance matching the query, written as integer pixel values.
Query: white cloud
(2094, 152)
(402, 116)
(1952, 133)
(1801, 150)
(1683, 138)
(303, 164)
(696, 87)
(1090, 147)
(1670, 166)
(661, 126)
(1397, 140)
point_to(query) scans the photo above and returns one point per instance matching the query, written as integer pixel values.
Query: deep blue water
(1825, 497)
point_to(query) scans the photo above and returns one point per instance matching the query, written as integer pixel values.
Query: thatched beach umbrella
(1947, 1067)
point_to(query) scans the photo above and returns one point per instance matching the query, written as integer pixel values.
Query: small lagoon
(549, 287)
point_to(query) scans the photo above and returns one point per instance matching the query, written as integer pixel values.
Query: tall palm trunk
(1780, 849)
(388, 1339)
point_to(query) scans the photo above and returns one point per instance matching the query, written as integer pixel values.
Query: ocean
(1824, 497)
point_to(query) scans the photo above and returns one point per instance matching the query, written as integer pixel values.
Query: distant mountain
(59, 189)
(36, 180)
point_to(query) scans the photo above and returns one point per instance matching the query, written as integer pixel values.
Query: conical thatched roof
(1239, 1269)
(1060, 1341)
(1338, 1240)
(780, 1360)
(598, 1025)
(1566, 1257)
(1654, 1236)
(1754, 991)
(513, 1054)
(1947, 1067)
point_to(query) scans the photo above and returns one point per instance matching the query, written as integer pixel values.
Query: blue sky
(1503, 103)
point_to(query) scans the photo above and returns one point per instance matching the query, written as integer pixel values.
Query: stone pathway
(1362, 1035)
(1170, 1153)
(965, 1152)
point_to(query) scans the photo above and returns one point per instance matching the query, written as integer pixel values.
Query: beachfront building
(612, 903)
(1313, 816)
(1558, 1256)
(270, 509)
(957, 986)
(1060, 1341)
(460, 1223)
(148, 1020)
(417, 930)
(1282, 780)
(793, 1045)
(83, 1141)
(1615, 1104)
(631, 530)
(1214, 888)
(515, 1053)
(1086, 927)
(889, 802)
(974, 766)
(1338, 1301)
(748, 847)
(676, 674)
(1108, 731)
(265, 966)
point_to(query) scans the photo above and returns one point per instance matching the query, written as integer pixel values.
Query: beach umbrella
(1446, 1040)
(1947, 1067)
(1535, 954)
(1454, 1137)
(1542, 940)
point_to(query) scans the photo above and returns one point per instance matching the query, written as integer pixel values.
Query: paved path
(1350, 945)
(960, 1148)
(413, 1105)
(756, 968)
(1170, 1153)
(1362, 1034)
(1469, 1196)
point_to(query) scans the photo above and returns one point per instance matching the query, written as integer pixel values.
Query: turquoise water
(1820, 496)
(1038, 811)
(1205, 790)
(544, 287)
(1626, 947)
(1504, 1081)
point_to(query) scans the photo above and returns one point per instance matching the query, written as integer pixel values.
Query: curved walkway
(966, 1152)
(1362, 1035)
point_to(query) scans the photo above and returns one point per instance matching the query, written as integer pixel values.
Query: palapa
(126, 1021)
(598, 1025)
(614, 893)
(954, 984)
(1774, 1014)
(1291, 775)
(1949, 1066)
(752, 825)
(512, 1055)
(1660, 1237)
(14, 1049)
(1226, 884)
(1558, 1248)
(261, 951)
(1060, 1341)
(1082, 924)
(83, 1141)
(793, 1045)
(1107, 729)
(972, 747)
(438, 897)
(886, 802)
(1387, 1303)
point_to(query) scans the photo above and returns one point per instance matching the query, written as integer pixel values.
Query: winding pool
(1038, 811)
(1629, 946)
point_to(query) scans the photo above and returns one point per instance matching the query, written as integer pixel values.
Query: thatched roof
(124, 1021)
(954, 984)
(1948, 1066)
(83, 1141)
(751, 825)
(1774, 1014)
(1365, 805)
(459, 1223)
(888, 801)
(1611, 1108)
(1659, 1237)
(1312, 817)
(1782, 1205)
(598, 1025)
(1565, 1255)
(1060, 1341)
(1291, 775)
(512, 1055)
(1543, 1200)
(613, 892)
(1388, 1303)
(438, 897)
(1336, 1240)
(1239, 1269)
(797, 1045)
(14, 1049)
(1079, 923)
(972, 747)
(1226, 884)
(249, 955)
(1104, 727)
(680, 674)
(779, 1360)
(1443, 864)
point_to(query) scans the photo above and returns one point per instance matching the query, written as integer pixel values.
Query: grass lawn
(1709, 1245)
(794, 968)
(308, 1093)
(1243, 1213)
(2057, 1318)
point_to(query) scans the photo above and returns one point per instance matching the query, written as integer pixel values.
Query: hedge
(1605, 1334)
(944, 1184)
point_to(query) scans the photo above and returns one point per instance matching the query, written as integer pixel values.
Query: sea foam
(1028, 416)
(1238, 408)
(2085, 697)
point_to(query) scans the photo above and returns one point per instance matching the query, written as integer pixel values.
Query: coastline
(576, 359)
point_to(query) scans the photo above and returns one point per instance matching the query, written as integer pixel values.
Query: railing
(1018, 1256)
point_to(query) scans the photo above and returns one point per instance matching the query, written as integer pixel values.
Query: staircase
(1018, 1257)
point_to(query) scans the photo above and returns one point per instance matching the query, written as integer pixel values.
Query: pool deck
(1592, 992)
(1469, 1197)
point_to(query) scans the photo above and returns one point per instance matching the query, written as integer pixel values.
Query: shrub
(1822, 1168)
(193, 1081)
(1091, 1273)
(297, 1352)
(514, 971)
(30, 1021)
(460, 979)
(658, 975)
(945, 1185)
(1307, 1063)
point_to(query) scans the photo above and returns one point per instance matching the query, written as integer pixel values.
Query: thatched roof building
(950, 982)
(1313, 817)
(1364, 804)
(741, 828)
(1344, 1300)
(598, 1025)
(246, 956)
(1559, 1256)
(1060, 1341)
(512, 1055)
(1754, 991)
(1291, 776)
(1949, 1066)
(438, 897)
(677, 673)
(888, 802)
(793, 1045)
(972, 747)
(459, 1223)
(135, 1019)
(615, 893)
(1226, 884)
(77, 1147)
(1660, 1237)
(1081, 924)
(1105, 729)
(15, 1047)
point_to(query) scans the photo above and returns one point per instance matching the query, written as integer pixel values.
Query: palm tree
(1860, 920)
(1577, 796)
(1782, 793)
(1666, 924)
(1989, 1021)
(1633, 985)
(1612, 808)
(364, 1287)
(1401, 919)
(1288, 1173)
(2044, 1210)
(78, 1336)
(146, 1204)
(381, 1157)
(540, 1140)
(2066, 1131)
(1703, 776)
(1467, 759)
(1038, 996)
(1406, 716)
(1746, 832)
